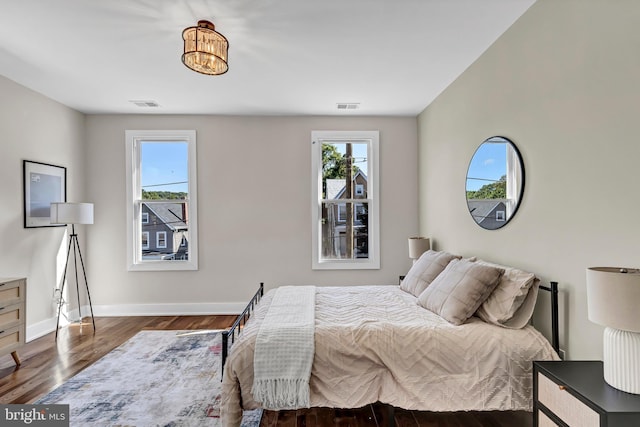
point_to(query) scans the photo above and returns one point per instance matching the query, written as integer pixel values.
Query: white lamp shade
(418, 246)
(613, 297)
(71, 213)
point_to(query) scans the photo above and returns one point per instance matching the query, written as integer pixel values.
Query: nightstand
(574, 394)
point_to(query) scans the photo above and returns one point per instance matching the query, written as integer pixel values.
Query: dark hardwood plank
(47, 363)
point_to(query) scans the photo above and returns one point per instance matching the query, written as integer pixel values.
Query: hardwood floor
(47, 363)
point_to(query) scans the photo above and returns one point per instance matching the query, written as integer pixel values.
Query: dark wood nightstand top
(587, 378)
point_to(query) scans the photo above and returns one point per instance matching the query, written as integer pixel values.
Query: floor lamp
(73, 213)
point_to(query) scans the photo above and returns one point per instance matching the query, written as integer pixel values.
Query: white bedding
(374, 343)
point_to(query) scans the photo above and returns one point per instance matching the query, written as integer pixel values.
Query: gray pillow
(460, 289)
(424, 270)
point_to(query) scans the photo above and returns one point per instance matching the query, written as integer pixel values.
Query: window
(161, 239)
(500, 215)
(345, 229)
(161, 183)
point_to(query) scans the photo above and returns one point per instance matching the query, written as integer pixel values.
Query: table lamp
(418, 246)
(613, 300)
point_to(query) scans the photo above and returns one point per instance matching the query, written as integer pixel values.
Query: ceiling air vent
(348, 105)
(145, 104)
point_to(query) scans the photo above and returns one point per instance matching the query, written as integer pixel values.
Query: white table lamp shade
(71, 213)
(418, 246)
(613, 300)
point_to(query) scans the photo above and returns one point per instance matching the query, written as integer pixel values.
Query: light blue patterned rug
(157, 378)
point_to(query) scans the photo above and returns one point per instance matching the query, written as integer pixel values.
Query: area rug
(157, 378)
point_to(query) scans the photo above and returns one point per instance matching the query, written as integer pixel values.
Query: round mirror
(495, 183)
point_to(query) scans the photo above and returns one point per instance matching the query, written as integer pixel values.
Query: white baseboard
(46, 326)
(40, 329)
(187, 309)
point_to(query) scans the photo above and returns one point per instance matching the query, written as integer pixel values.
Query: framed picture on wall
(43, 185)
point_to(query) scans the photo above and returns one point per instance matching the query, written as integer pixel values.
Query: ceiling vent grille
(145, 104)
(348, 105)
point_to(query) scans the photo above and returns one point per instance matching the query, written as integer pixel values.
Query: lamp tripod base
(622, 360)
(75, 247)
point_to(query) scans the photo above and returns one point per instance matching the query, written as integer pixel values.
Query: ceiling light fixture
(205, 50)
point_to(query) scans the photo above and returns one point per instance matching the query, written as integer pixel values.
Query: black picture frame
(43, 184)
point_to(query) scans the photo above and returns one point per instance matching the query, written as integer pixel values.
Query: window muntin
(161, 183)
(345, 200)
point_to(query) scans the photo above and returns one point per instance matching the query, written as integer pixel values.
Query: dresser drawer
(12, 291)
(11, 315)
(11, 339)
(565, 405)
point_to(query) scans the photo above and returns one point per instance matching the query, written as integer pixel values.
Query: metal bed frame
(234, 331)
(229, 336)
(555, 333)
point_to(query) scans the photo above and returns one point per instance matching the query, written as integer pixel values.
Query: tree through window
(345, 200)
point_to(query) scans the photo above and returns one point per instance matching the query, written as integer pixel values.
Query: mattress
(375, 343)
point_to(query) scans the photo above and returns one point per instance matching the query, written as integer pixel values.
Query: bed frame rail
(234, 331)
(555, 334)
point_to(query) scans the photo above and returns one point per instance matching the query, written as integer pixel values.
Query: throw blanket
(284, 350)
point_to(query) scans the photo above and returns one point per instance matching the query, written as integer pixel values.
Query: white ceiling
(286, 57)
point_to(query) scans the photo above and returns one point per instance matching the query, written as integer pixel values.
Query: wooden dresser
(12, 316)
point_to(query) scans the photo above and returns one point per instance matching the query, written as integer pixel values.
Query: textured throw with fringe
(284, 350)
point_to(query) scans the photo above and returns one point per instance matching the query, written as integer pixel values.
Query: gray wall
(254, 210)
(562, 83)
(36, 128)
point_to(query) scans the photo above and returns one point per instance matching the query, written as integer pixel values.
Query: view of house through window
(345, 226)
(162, 229)
(346, 220)
(164, 192)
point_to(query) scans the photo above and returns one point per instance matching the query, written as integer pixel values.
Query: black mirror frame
(520, 190)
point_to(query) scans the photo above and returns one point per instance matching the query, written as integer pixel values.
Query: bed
(379, 344)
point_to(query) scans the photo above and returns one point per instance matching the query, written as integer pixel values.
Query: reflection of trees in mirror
(495, 190)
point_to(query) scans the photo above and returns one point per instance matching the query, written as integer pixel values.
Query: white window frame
(133, 139)
(342, 211)
(372, 138)
(145, 233)
(161, 235)
(145, 217)
(359, 190)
